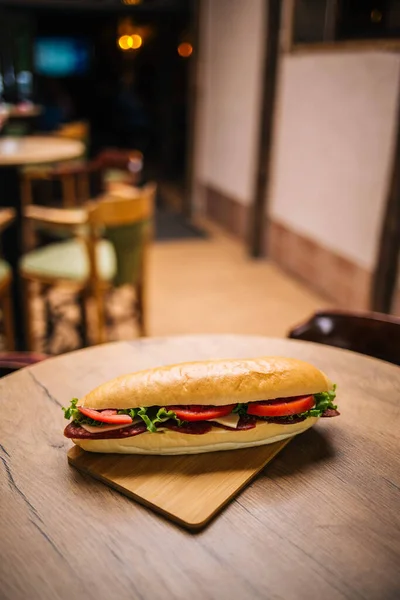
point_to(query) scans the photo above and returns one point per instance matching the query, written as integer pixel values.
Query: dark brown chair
(13, 361)
(119, 166)
(374, 334)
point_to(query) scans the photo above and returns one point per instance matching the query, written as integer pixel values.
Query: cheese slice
(104, 428)
(230, 420)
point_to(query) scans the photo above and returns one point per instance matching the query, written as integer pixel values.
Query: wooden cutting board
(188, 489)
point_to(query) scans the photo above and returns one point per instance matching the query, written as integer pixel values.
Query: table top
(15, 151)
(322, 520)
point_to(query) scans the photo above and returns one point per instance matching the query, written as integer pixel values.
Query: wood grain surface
(188, 489)
(321, 521)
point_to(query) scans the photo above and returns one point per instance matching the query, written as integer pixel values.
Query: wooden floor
(195, 286)
(210, 286)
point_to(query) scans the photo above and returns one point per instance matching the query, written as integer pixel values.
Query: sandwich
(203, 406)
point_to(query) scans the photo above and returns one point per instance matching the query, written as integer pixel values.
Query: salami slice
(192, 428)
(330, 412)
(288, 420)
(74, 430)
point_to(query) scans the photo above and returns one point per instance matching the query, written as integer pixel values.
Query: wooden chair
(119, 166)
(7, 216)
(111, 167)
(76, 130)
(374, 334)
(73, 178)
(112, 251)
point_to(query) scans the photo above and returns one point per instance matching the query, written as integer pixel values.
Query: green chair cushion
(115, 175)
(69, 260)
(4, 269)
(127, 241)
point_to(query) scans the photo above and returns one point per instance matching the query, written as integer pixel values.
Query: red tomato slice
(106, 416)
(281, 407)
(201, 413)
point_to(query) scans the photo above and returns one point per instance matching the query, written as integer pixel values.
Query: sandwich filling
(88, 423)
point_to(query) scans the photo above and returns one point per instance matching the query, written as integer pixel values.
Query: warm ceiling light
(136, 41)
(131, 2)
(130, 42)
(376, 16)
(185, 49)
(125, 42)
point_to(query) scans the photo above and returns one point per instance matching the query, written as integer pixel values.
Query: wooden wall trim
(268, 103)
(384, 280)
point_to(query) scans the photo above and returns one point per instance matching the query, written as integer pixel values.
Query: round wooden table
(321, 521)
(37, 149)
(14, 153)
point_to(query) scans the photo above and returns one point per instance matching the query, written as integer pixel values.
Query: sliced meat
(192, 428)
(288, 420)
(74, 430)
(330, 412)
(200, 427)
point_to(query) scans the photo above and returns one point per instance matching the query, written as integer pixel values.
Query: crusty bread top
(216, 382)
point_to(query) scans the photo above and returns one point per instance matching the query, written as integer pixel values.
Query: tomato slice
(281, 407)
(199, 412)
(106, 416)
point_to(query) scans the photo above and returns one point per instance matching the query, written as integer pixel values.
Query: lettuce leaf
(323, 401)
(151, 416)
(240, 409)
(71, 412)
(161, 416)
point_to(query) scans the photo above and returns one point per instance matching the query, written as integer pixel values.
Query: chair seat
(69, 260)
(4, 269)
(116, 175)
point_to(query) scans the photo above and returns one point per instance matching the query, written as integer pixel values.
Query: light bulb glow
(185, 49)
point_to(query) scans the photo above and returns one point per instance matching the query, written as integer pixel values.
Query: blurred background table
(321, 521)
(24, 111)
(18, 119)
(14, 153)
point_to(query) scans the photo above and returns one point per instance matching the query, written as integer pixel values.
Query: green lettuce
(151, 416)
(240, 409)
(71, 412)
(323, 401)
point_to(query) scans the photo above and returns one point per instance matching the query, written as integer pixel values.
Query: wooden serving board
(189, 489)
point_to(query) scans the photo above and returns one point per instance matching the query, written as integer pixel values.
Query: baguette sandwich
(203, 406)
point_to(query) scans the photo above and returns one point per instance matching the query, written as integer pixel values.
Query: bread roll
(217, 382)
(171, 442)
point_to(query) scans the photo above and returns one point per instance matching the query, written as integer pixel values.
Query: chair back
(374, 334)
(119, 165)
(124, 218)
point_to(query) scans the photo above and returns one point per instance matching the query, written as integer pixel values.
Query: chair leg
(29, 240)
(100, 325)
(26, 295)
(83, 188)
(8, 316)
(69, 196)
(141, 309)
(83, 329)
